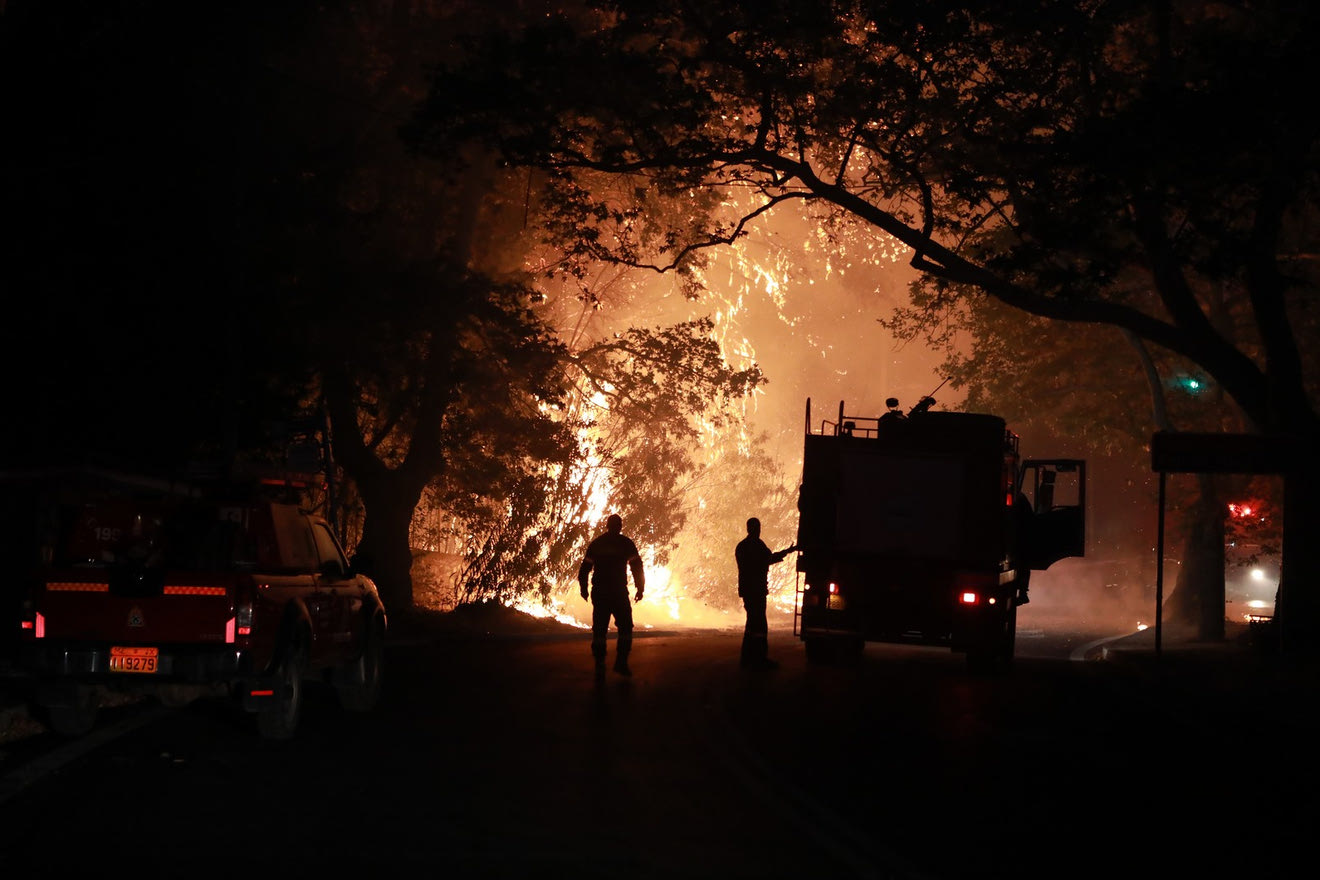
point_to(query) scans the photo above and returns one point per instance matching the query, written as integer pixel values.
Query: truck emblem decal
(135, 617)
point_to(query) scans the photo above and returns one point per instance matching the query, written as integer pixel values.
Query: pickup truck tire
(358, 682)
(77, 716)
(280, 719)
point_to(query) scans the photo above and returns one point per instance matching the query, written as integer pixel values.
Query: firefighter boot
(755, 649)
(621, 650)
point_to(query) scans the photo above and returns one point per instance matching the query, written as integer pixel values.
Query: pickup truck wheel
(78, 717)
(280, 719)
(358, 682)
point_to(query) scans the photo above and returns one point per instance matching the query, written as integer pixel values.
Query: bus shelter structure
(1194, 453)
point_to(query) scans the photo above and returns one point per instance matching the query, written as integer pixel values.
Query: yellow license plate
(835, 602)
(134, 659)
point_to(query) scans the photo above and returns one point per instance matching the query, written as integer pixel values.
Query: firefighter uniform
(607, 561)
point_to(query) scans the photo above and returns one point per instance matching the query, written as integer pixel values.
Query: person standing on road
(754, 559)
(610, 556)
(1024, 523)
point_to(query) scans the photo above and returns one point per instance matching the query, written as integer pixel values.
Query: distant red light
(967, 597)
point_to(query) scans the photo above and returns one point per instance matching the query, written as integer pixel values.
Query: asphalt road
(501, 756)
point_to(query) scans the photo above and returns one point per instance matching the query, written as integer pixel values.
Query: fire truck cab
(922, 528)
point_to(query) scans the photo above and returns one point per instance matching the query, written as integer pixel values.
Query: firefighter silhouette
(607, 561)
(1024, 522)
(892, 410)
(754, 559)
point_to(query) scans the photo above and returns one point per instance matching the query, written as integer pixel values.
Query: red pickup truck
(177, 592)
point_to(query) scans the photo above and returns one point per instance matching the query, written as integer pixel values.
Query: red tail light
(975, 587)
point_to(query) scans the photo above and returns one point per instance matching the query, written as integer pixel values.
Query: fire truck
(923, 527)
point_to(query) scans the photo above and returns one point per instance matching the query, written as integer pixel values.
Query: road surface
(503, 757)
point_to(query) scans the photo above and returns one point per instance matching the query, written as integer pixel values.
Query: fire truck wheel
(993, 652)
(981, 660)
(280, 719)
(834, 649)
(819, 650)
(358, 682)
(1008, 640)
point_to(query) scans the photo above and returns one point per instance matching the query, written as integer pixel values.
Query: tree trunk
(385, 551)
(1197, 599)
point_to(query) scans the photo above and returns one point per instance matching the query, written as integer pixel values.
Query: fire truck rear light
(968, 597)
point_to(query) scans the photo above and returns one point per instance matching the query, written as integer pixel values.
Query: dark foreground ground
(493, 753)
